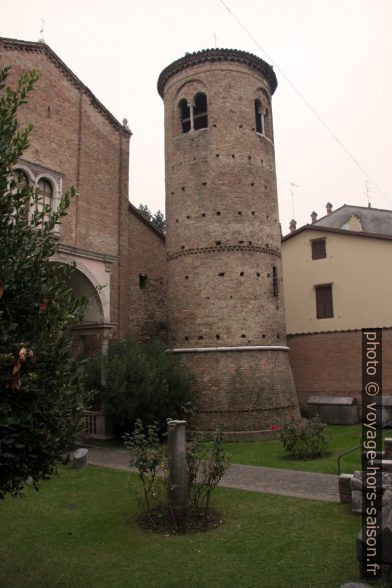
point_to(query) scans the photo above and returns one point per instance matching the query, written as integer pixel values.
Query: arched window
(185, 115)
(259, 117)
(200, 112)
(194, 117)
(45, 195)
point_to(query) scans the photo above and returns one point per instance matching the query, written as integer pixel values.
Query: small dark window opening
(142, 280)
(221, 274)
(324, 305)
(185, 115)
(319, 250)
(259, 117)
(275, 284)
(200, 117)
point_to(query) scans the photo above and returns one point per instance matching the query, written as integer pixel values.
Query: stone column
(178, 469)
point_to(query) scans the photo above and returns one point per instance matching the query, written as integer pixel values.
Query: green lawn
(271, 453)
(80, 531)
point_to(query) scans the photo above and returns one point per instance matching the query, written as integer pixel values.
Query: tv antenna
(42, 40)
(292, 186)
(367, 193)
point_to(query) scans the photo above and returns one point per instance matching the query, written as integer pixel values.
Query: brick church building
(76, 141)
(213, 291)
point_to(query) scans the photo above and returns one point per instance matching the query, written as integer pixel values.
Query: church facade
(76, 141)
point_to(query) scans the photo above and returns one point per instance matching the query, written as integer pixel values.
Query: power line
(313, 110)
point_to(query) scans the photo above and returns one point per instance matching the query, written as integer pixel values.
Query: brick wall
(146, 298)
(244, 391)
(330, 364)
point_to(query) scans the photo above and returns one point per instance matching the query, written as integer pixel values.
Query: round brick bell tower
(225, 301)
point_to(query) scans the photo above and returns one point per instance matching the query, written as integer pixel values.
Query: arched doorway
(90, 336)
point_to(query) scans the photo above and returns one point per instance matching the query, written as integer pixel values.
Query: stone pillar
(178, 469)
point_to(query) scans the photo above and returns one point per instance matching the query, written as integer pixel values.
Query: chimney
(293, 225)
(329, 208)
(313, 217)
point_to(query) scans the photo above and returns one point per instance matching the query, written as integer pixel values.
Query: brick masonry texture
(330, 364)
(223, 247)
(74, 135)
(147, 257)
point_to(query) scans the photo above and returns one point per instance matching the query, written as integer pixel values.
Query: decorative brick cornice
(44, 49)
(76, 251)
(216, 56)
(223, 249)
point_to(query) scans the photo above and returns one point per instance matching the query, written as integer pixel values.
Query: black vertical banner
(371, 534)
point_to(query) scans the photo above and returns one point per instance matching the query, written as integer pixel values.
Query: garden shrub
(206, 466)
(305, 440)
(143, 382)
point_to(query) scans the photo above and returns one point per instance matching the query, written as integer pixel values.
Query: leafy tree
(157, 219)
(41, 383)
(141, 382)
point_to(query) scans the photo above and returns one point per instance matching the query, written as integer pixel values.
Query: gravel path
(271, 480)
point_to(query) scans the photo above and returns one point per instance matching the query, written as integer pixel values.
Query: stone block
(345, 487)
(388, 447)
(386, 410)
(80, 458)
(387, 465)
(387, 500)
(356, 481)
(356, 501)
(334, 410)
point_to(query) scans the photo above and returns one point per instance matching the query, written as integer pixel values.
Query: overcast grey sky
(337, 53)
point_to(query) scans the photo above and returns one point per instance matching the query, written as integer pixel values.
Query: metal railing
(389, 424)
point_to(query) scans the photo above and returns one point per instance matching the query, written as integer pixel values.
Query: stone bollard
(345, 487)
(178, 470)
(80, 458)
